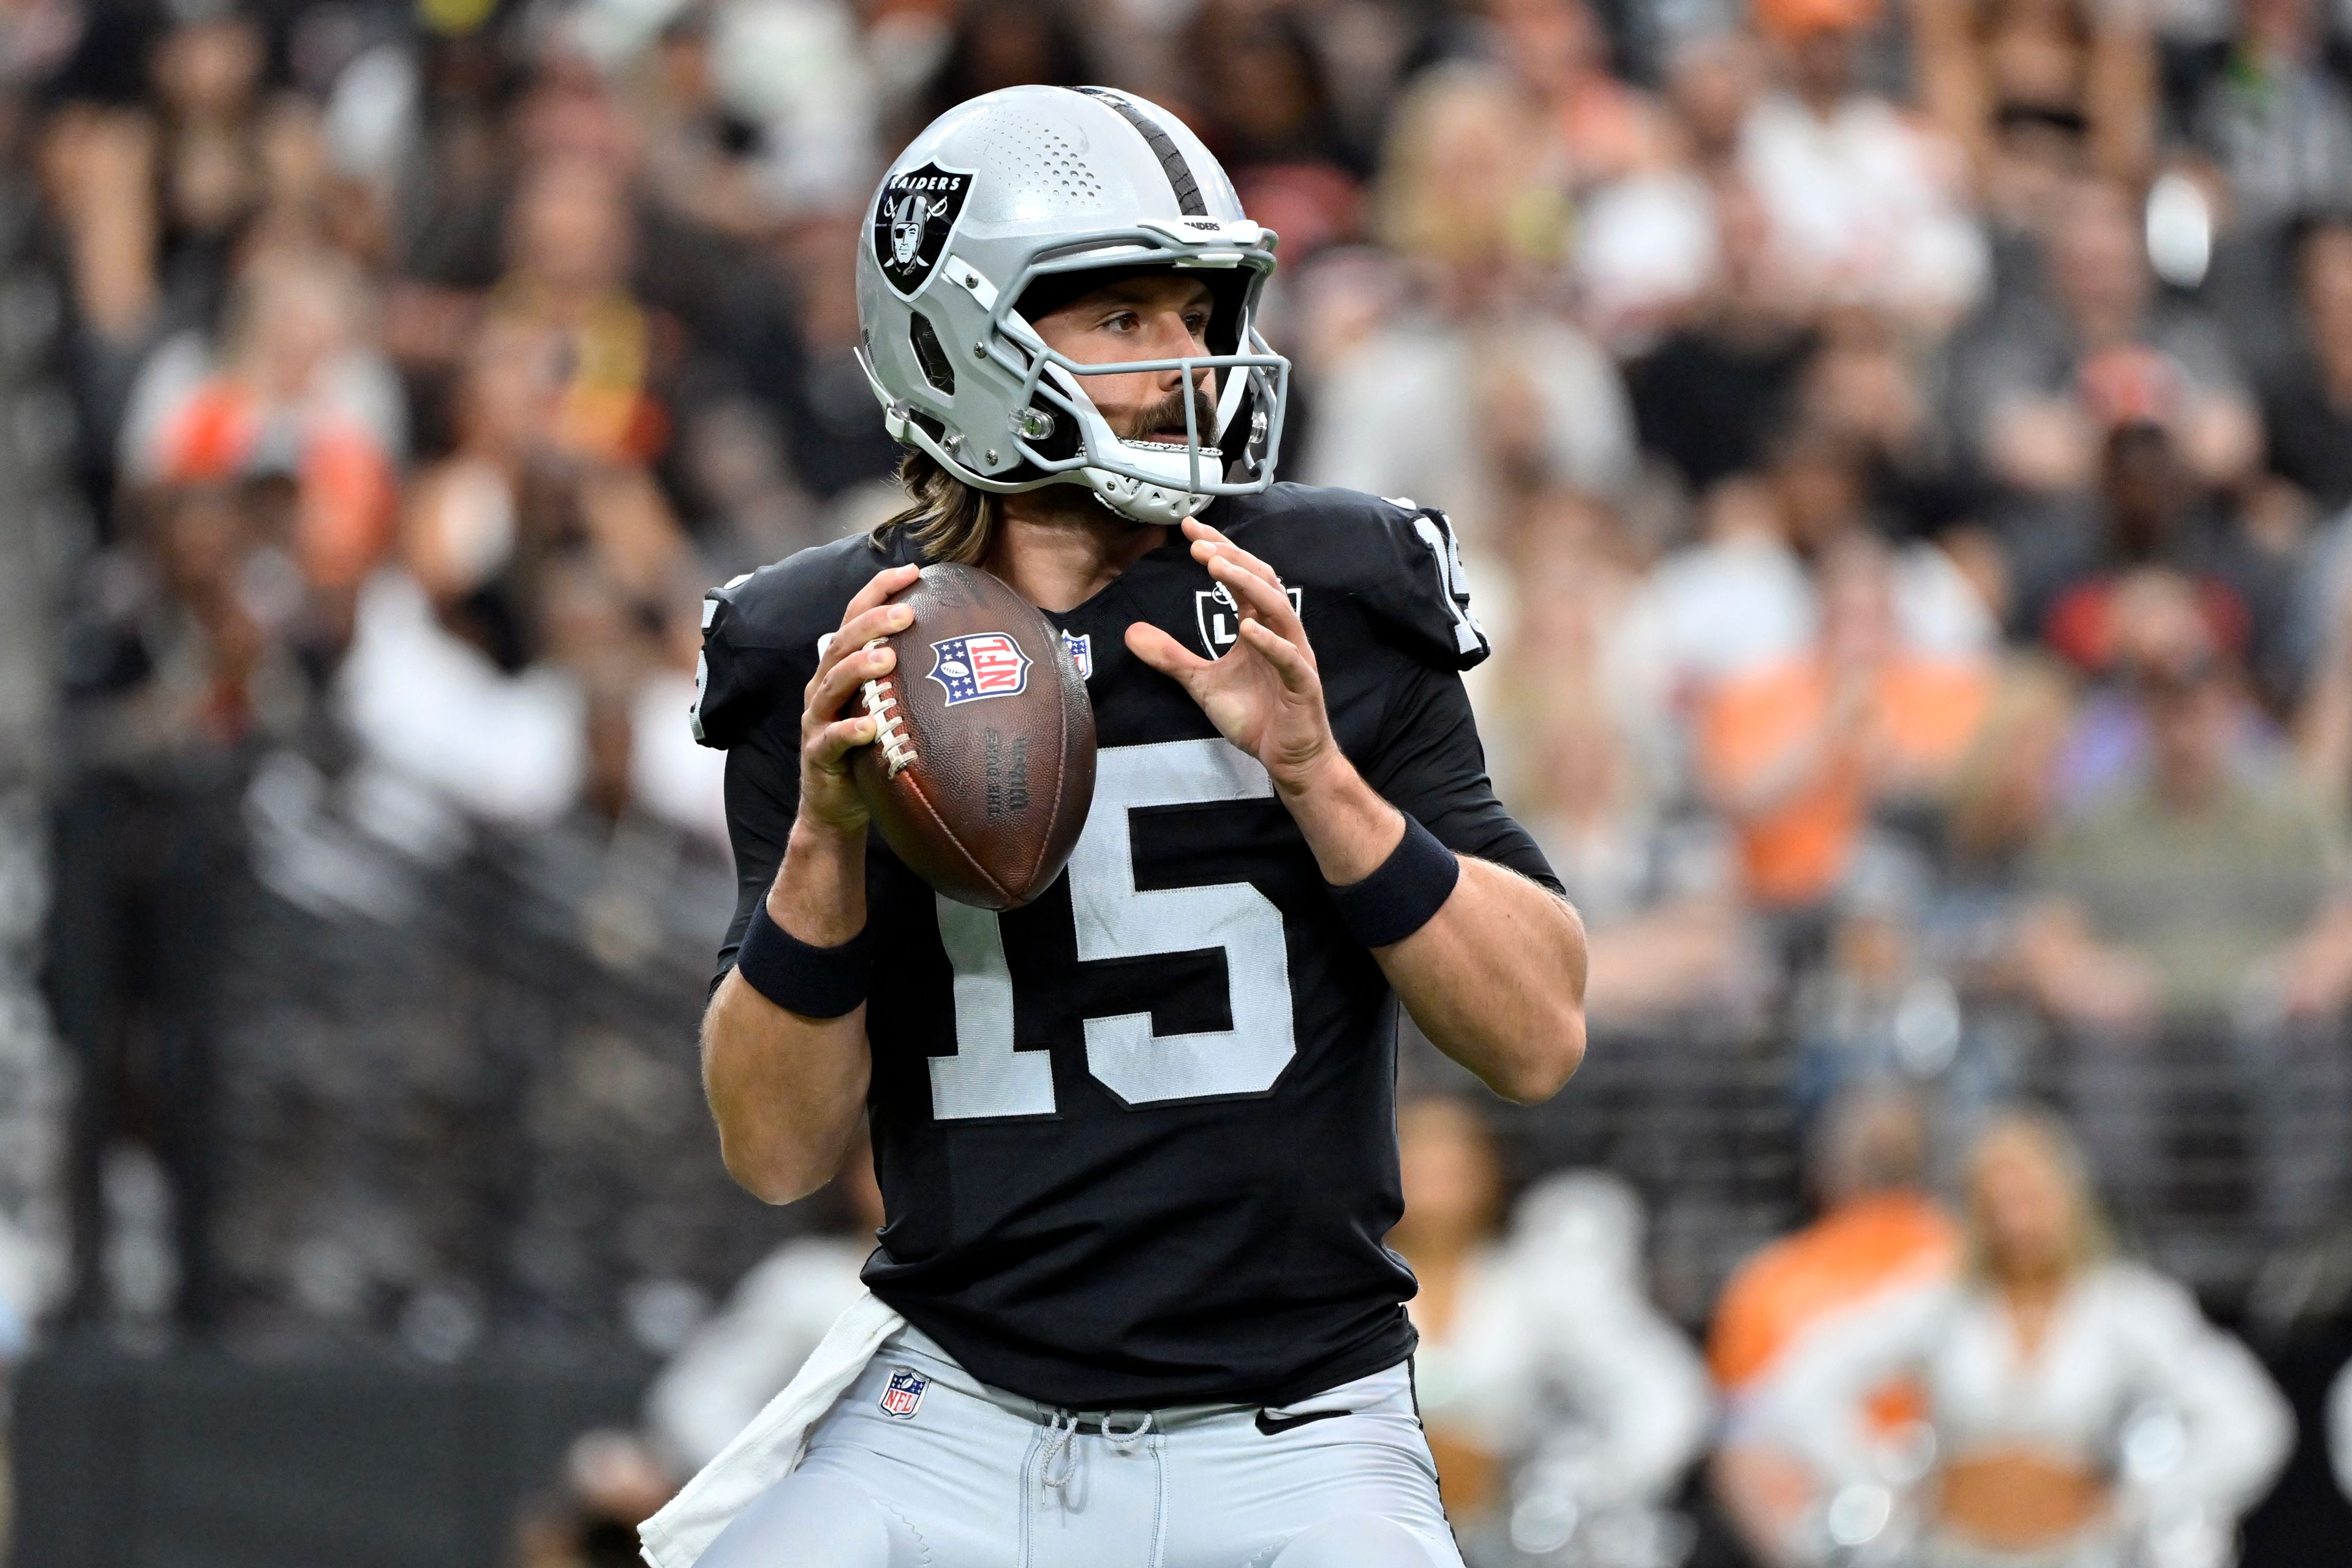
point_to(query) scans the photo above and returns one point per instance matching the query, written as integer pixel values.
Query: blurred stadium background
(1903, 448)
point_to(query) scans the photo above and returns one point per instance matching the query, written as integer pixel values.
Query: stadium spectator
(2274, 114)
(1799, 751)
(1652, 246)
(1879, 1233)
(1867, 205)
(2050, 372)
(1604, 127)
(2074, 562)
(2038, 1364)
(2200, 898)
(1478, 393)
(1994, 74)
(1543, 1371)
(745, 1355)
(1589, 754)
(1708, 399)
(1276, 128)
(572, 245)
(294, 391)
(2307, 404)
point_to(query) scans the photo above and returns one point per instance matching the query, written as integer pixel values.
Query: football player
(1136, 1139)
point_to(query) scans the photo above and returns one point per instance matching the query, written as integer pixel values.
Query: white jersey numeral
(1437, 537)
(1114, 919)
(986, 1076)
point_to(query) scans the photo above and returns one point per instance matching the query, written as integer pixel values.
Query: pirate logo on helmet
(915, 213)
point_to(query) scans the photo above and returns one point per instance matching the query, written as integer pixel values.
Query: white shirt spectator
(1402, 415)
(1728, 605)
(1555, 1354)
(1867, 203)
(1743, 601)
(1645, 247)
(744, 1357)
(2121, 1341)
(433, 707)
(671, 774)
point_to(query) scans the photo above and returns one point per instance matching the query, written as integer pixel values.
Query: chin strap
(1141, 502)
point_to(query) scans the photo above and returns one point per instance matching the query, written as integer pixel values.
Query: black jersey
(1137, 1139)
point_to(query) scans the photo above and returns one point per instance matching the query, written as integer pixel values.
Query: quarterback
(1136, 1139)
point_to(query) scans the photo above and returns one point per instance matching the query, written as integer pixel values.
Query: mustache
(1168, 413)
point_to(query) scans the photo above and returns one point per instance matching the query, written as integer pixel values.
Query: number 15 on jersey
(988, 1077)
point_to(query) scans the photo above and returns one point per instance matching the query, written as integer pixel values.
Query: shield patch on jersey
(912, 220)
(904, 1396)
(1220, 622)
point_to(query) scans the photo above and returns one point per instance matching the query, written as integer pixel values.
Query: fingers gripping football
(828, 795)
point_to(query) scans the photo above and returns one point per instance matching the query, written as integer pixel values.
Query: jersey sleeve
(763, 795)
(1417, 594)
(1429, 762)
(741, 670)
(760, 638)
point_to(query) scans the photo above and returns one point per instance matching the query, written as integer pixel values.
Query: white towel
(766, 1451)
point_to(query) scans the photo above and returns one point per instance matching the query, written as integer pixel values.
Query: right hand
(829, 799)
(2111, 988)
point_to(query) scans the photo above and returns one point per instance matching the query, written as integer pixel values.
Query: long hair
(947, 519)
(2092, 1240)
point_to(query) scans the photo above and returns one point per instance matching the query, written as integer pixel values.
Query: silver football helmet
(1023, 185)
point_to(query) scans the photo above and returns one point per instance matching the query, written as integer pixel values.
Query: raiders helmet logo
(912, 220)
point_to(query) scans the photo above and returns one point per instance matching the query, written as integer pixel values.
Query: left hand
(2313, 978)
(1263, 694)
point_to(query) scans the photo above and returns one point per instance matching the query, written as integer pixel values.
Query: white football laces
(897, 750)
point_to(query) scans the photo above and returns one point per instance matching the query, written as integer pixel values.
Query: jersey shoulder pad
(1399, 560)
(760, 633)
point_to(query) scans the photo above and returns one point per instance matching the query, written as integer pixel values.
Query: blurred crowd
(1904, 453)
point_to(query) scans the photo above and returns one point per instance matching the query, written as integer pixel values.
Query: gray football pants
(977, 1478)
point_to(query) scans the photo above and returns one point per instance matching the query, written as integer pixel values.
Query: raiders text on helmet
(1028, 183)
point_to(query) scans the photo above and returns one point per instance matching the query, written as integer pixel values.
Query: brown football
(981, 778)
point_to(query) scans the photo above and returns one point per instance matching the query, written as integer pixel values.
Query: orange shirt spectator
(1800, 749)
(345, 487)
(291, 389)
(1798, 752)
(1849, 1254)
(1879, 1231)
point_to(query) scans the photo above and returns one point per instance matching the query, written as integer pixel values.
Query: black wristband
(1400, 898)
(815, 982)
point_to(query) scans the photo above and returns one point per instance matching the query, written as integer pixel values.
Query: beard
(1074, 503)
(1166, 417)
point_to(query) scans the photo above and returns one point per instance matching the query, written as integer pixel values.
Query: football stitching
(1061, 793)
(915, 788)
(896, 750)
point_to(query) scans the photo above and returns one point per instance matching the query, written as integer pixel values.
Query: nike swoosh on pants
(1274, 1425)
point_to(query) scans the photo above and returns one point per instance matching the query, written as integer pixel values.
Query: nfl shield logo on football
(905, 1394)
(984, 664)
(1080, 646)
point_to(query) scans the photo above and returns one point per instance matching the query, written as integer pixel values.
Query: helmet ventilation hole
(930, 354)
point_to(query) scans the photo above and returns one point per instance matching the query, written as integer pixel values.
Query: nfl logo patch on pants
(904, 1395)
